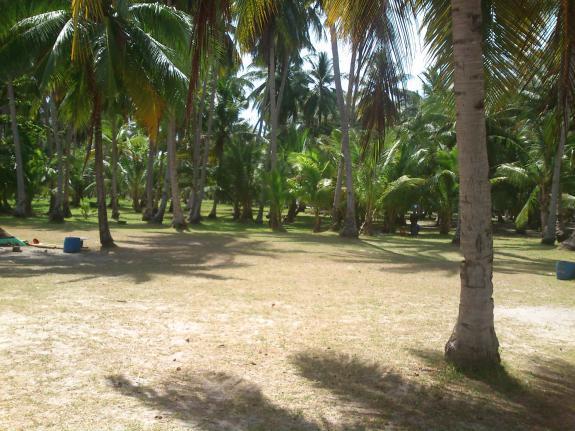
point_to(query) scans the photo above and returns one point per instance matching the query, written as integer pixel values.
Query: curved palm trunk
(473, 342)
(178, 220)
(105, 236)
(20, 209)
(149, 209)
(114, 191)
(349, 229)
(57, 211)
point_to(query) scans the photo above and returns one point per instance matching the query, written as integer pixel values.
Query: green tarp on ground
(9, 240)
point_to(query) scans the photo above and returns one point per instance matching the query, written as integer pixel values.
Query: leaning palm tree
(112, 47)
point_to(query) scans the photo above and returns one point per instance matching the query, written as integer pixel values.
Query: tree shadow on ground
(213, 402)
(426, 254)
(140, 258)
(369, 396)
(426, 399)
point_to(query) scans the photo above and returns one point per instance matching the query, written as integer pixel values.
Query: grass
(234, 327)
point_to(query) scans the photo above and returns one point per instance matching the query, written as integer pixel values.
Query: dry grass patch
(221, 329)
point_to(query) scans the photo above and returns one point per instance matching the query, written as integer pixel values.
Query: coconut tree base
(108, 244)
(473, 351)
(195, 220)
(147, 215)
(548, 241)
(57, 216)
(180, 226)
(349, 229)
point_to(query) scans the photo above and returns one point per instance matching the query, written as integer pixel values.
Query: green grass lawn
(234, 327)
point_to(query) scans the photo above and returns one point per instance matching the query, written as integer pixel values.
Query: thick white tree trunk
(473, 342)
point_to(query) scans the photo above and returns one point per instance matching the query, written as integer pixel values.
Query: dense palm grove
(115, 100)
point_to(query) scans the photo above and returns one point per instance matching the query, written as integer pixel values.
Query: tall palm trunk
(335, 214)
(114, 190)
(206, 149)
(105, 235)
(57, 211)
(275, 222)
(178, 220)
(349, 228)
(66, 195)
(194, 217)
(457, 237)
(159, 216)
(473, 342)
(20, 209)
(567, 13)
(149, 209)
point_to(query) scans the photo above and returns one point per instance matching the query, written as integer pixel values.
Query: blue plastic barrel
(72, 244)
(565, 270)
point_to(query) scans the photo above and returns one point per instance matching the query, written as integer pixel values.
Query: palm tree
(349, 228)
(20, 209)
(136, 62)
(311, 183)
(321, 103)
(10, 69)
(561, 40)
(178, 219)
(272, 30)
(473, 342)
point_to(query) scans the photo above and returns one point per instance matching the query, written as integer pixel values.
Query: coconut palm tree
(271, 30)
(20, 209)
(559, 54)
(321, 103)
(312, 182)
(473, 342)
(86, 38)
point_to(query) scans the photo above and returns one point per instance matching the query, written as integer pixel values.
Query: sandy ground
(258, 331)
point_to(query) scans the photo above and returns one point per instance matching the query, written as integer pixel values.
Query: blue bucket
(72, 244)
(565, 270)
